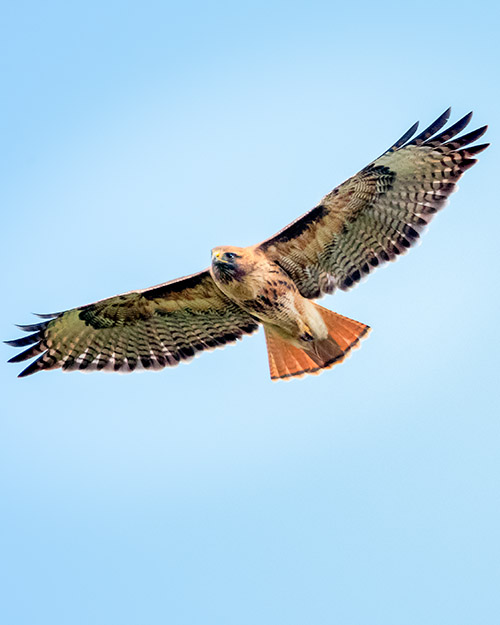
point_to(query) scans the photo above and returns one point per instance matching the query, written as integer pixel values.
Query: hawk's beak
(216, 254)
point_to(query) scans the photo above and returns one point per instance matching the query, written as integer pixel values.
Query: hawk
(365, 222)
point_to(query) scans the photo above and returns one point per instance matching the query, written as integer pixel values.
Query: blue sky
(137, 136)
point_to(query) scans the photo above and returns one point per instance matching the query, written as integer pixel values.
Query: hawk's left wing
(153, 328)
(378, 213)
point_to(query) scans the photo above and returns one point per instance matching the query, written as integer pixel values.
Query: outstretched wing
(378, 213)
(154, 328)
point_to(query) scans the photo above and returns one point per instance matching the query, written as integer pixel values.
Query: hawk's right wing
(153, 328)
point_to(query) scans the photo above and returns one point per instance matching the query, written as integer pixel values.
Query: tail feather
(346, 332)
(287, 360)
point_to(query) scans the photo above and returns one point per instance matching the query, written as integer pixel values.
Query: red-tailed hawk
(368, 220)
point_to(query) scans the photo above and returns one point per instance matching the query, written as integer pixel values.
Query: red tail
(287, 361)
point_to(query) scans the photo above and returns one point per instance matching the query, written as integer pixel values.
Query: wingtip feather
(31, 369)
(433, 128)
(23, 341)
(47, 315)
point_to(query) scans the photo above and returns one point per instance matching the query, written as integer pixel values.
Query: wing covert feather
(377, 214)
(148, 329)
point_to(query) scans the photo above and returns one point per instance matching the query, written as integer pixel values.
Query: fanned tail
(288, 361)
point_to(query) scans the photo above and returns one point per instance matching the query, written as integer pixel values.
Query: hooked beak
(217, 256)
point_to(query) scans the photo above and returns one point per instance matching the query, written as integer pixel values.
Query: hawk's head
(228, 264)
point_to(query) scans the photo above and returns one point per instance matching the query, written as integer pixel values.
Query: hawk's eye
(230, 255)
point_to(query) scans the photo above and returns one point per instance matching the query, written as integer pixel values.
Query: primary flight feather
(368, 220)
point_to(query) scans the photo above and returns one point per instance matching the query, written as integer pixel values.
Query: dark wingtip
(32, 327)
(433, 128)
(480, 132)
(402, 140)
(47, 315)
(14, 359)
(34, 350)
(470, 137)
(406, 137)
(466, 118)
(31, 369)
(443, 118)
(446, 114)
(25, 340)
(450, 132)
(476, 149)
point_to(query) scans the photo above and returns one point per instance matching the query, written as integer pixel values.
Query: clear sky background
(135, 137)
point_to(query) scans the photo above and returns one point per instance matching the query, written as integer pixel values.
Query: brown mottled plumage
(368, 220)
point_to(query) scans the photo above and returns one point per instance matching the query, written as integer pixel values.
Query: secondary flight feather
(367, 221)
